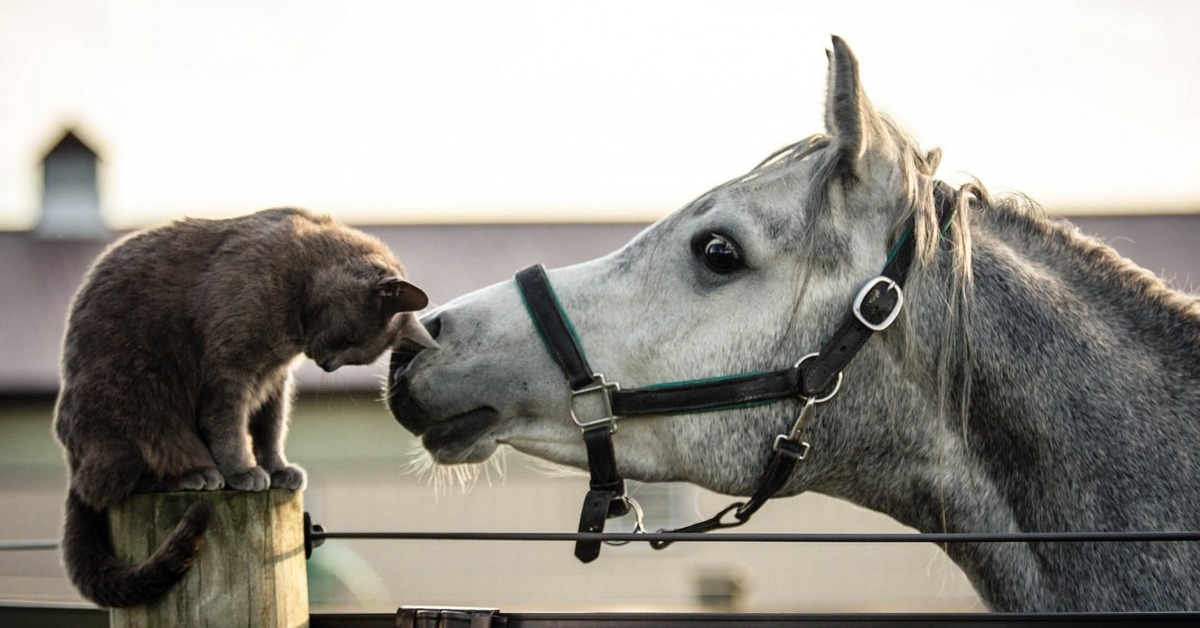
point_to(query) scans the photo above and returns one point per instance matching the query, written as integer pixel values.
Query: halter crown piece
(596, 404)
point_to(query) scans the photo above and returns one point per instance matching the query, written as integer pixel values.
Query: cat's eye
(720, 254)
(349, 341)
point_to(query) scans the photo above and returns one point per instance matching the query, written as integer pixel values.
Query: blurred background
(476, 138)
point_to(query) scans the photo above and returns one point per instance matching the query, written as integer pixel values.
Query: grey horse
(1034, 380)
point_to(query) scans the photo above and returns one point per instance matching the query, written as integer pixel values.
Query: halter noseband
(596, 403)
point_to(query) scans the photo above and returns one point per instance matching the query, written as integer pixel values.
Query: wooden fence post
(250, 572)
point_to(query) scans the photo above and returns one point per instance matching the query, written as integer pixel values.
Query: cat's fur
(176, 370)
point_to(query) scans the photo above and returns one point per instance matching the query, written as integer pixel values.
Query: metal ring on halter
(639, 526)
(836, 387)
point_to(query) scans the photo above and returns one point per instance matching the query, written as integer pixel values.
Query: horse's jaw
(475, 437)
(465, 438)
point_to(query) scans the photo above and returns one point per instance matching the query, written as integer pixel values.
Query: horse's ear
(850, 119)
(932, 160)
(397, 295)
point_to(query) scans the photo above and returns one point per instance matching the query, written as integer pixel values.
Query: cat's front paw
(202, 479)
(252, 479)
(290, 477)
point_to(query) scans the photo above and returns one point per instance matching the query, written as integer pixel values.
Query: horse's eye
(721, 256)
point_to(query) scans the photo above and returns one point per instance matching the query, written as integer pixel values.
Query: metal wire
(28, 544)
(726, 537)
(933, 537)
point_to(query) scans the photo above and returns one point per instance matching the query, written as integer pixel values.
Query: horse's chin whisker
(420, 461)
(554, 469)
(443, 477)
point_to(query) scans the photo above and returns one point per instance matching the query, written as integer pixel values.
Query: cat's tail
(102, 577)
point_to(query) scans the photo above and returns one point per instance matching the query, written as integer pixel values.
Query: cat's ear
(398, 295)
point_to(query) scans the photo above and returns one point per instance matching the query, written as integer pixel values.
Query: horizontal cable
(29, 544)
(726, 537)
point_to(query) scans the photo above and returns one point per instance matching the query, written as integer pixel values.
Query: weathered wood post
(250, 572)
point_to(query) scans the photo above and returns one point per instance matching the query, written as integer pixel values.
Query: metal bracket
(605, 390)
(449, 617)
(313, 535)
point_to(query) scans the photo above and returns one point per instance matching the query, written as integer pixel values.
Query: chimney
(70, 195)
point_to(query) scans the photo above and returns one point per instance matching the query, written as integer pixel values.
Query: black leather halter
(596, 404)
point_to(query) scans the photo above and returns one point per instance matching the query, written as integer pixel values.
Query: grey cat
(176, 370)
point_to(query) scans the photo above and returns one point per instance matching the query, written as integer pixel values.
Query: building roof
(38, 277)
(70, 143)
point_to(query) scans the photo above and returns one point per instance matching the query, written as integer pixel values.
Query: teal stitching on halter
(704, 380)
(732, 406)
(561, 310)
(908, 233)
(575, 335)
(899, 243)
(707, 380)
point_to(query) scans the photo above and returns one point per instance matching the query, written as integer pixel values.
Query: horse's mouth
(463, 438)
(466, 437)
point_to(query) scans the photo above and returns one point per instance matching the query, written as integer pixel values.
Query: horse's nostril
(433, 324)
(401, 359)
(407, 351)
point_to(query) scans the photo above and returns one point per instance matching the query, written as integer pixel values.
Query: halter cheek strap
(596, 404)
(606, 495)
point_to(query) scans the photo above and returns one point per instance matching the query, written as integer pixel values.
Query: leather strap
(607, 490)
(603, 463)
(556, 331)
(606, 494)
(879, 300)
(710, 394)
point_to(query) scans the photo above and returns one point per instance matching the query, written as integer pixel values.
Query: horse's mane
(1107, 272)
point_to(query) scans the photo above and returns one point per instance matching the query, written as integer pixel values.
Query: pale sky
(412, 112)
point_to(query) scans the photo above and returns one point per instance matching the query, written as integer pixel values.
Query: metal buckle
(605, 389)
(862, 295)
(804, 446)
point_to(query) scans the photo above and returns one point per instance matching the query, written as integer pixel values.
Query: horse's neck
(1086, 373)
(1084, 389)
